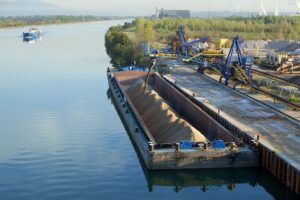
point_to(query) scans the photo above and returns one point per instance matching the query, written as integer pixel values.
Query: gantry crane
(187, 47)
(240, 68)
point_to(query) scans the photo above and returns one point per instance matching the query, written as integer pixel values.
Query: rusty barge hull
(157, 156)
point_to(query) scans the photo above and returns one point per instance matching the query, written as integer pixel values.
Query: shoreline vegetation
(160, 32)
(10, 22)
(122, 50)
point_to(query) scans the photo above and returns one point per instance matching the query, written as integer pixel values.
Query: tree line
(43, 20)
(269, 27)
(124, 50)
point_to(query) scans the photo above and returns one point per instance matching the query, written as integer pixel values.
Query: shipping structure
(32, 34)
(169, 130)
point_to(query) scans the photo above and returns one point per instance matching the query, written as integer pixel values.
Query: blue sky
(145, 7)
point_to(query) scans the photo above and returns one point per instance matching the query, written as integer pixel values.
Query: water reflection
(32, 40)
(204, 179)
(211, 179)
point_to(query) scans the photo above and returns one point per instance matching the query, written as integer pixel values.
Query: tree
(118, 47)
(121, 49)
(140, 28)
(148, 31)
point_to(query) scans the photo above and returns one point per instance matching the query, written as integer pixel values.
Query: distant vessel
(32, 34)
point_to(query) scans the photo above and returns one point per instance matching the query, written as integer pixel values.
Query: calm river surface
(61, 138)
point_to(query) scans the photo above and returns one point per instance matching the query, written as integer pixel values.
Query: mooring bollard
(150, 146)
(205, 145)
(177, 146)
(254, 143)
(232, 146)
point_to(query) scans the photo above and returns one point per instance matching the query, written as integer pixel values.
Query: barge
(169, 130)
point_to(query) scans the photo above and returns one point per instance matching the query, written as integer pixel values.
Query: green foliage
(41, 20)
(148, 31)
(121, 49)
(293, 98)
(128, 25)
(140, 27)
(269, 27)
(118, 47)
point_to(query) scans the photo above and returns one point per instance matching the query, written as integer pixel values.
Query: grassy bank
(6, 22)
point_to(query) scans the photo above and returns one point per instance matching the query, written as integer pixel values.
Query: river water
(61, 138)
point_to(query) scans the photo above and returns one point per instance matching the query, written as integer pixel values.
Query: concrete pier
(278, 135)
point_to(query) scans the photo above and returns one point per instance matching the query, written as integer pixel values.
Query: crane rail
(291, 83)
(289, 103)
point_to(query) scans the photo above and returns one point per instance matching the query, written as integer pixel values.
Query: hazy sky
(147, 7)
(194, 5)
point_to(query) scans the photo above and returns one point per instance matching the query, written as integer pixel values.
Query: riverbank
(11, 22)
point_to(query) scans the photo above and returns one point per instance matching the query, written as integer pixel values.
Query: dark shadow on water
(32, 40)
(205, 179)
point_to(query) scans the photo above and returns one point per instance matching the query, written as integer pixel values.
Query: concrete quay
(277, 134)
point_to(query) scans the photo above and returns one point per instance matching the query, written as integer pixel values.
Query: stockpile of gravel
(254, 44)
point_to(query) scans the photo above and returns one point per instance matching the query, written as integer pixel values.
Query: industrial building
(161, 13)
(283, 55)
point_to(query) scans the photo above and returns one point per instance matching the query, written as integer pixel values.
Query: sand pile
(163, 123)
